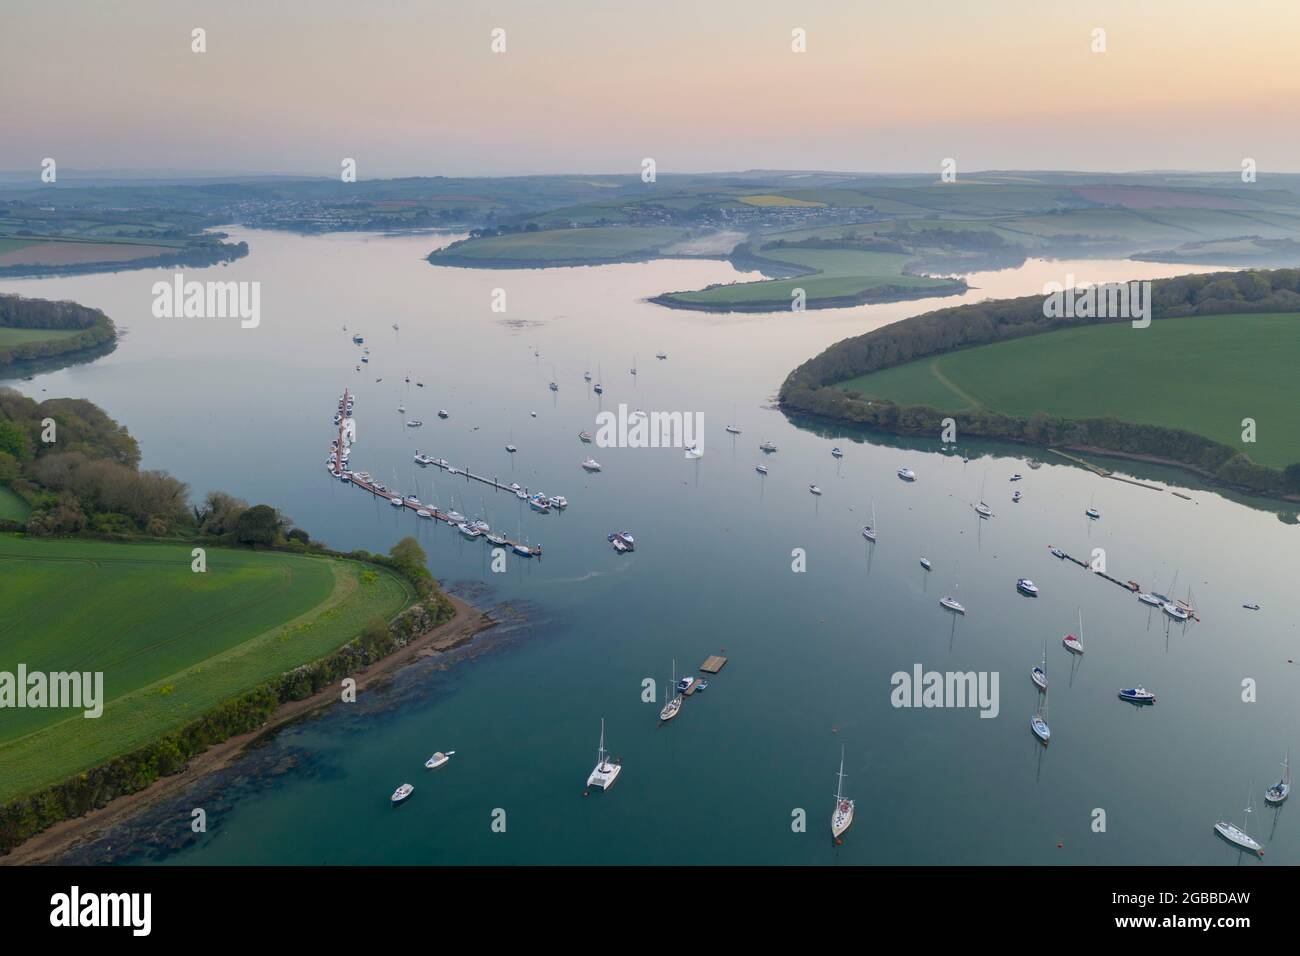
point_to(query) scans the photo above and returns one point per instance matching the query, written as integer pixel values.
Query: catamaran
(671, 708)
(605, 773)
(1282, 789)
(842, 818)
(1237, 835)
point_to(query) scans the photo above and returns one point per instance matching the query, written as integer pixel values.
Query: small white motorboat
(402, 793)
(1027, 587)
(684, 684)
(591, 465)
(414, 423)
(732, 429)
(925, 563)
(455, 517)
(438, 759)
(837, 453)
(424, 514)
(559, 502)
(443, 413)
(1151, 599)
(952, 604)
(396, 502)
(907, 474)
(584, 437)
(598, 389)
(496, 539)
(468, 530)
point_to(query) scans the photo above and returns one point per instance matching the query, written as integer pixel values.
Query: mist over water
(811, 654)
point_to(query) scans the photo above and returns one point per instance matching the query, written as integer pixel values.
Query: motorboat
(438, 759)
(1137, 695)
(540, 503)
(496, 539)
(661, 355)
(591, 465)
(414, 423)
(598, 389)
(468, 530)
(559, 502)
(684, 684)
(1151, 599)
(766, 446)
(1027, 587)
(925, 563)
(402, 793)
(584, 437)
(621, 540)
(554, 387)
(907, 474)
(837, 453)
(455, 517)
(443, 413)
(422, 459)
(396, 502)
(424, 514)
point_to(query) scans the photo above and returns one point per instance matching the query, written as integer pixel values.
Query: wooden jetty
(714, 664)
(1126, 585)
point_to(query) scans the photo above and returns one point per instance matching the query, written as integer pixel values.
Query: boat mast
(839, 789)
(600, 751)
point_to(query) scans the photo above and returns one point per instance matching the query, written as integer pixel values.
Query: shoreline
(46, 846)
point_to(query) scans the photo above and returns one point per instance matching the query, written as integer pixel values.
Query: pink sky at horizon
(411, 87)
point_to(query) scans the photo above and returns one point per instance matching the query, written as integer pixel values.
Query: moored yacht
(402, 793)
(438, 759)
(766, 446)
(674, 705)
(907, 474)
(733, 430)
(1237, 835)
(443, 413)
(1027, 587)
(591, 465)
(813, 489)
(837, 453)
(1282, 789)
(584, 437)
(842, 817)
(606, 772)
(1151, 599)
(761, 469)
(925, 563)
(952, 604)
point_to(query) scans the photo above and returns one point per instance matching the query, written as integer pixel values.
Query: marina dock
(1132, 586)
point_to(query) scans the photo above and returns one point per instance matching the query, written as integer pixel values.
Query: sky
(413, 87)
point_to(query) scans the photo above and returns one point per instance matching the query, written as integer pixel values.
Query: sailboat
(598, 388)
(951, 603)
(1039, 674)
(1073, 643)
(842, 818)
(869, 532)
(982, 509)
(1038, 722)
(1092, 512)
(1278, 793)
(605, 773)
(633, 368)
(1237, 835)
(671, 708)
(732, 429)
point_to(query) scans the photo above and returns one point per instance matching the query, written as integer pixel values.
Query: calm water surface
(811, 654)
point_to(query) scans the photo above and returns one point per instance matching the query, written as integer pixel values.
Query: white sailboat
(1038, 722)
(671, 708)
(869, 532)
(1073, 643)
(1278, 793)
(842, 818)
(1039, 673)
(605, 773)
(1237, 835)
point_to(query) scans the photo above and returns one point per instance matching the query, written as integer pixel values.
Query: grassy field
(837, 273)
(12, 508)
(563, 245)
(19, 336)
(171, 643)
(1202, 374)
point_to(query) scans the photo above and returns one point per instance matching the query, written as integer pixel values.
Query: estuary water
(811, 652)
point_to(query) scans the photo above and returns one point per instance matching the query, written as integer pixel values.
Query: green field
(171, 643)
(564, 245)
(10, 336)
(1202, 374)
(835, 274)
(12, 508)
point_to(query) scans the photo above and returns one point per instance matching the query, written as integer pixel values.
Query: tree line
(813, 386)
(92, 327)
